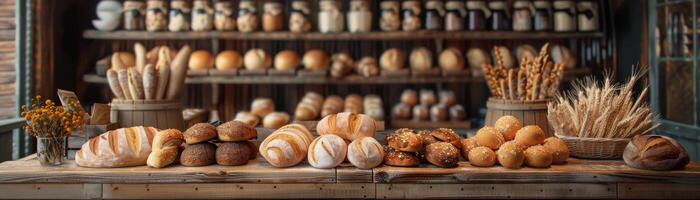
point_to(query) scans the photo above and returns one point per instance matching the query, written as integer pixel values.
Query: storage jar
(543, 16)
(455, 16)
(330, 17)
(359, 16)
(564, 12)
(179, 17)
(477, 13)
(500, 17)
(411, 10)
(522, 15)
(247, 16)
(134, 15)
(299, 20)
(223, 16)
(156, 15)
(273, 19)
(434, 13)
(587, 16)
(202, 16)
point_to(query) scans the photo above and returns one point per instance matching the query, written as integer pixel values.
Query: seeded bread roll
(235, 131)
(400, 158)
(558, 148)
(489, 137)
(508, 126)
(405, 140)
(510, 155)
(467, 145)
(482, 157)
(200, 132)
(447, 135)
(529, 136)
(200, 154)
(426, 137)
(538, 156)
(442, 154)
(233, 153)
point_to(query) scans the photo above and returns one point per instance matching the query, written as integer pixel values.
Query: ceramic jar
(587, 16)
(247, 16)
(224, 20)
(202, 16)
(299, 21)
(543, 16)
(411, 11)
(477, 13)
(390, 19)
(500, 17)
(434, 15)
(330, 17)
(564, 12)
(522, 15)
(359, 16)
(134, 15)
(179, 17)
(455, 18)
(156, 15)
(273, 19)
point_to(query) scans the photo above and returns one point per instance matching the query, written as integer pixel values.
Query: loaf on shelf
(309, 108)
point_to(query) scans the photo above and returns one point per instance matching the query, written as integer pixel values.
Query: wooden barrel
(529, 112)
(161, 114)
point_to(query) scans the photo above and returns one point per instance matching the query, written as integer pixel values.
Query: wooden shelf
(351, 80)
(285, 35)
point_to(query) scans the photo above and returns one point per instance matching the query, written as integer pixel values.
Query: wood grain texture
(497, 191)
(347, 173)
(657, 191)
(50, 191)
(239, 191)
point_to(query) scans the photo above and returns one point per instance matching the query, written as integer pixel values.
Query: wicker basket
(595, 148)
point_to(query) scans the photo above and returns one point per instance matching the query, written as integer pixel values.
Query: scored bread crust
(365, 153)
(287, 146)
(200, 132)
(123, 147)
(165, 148)
(348, 126)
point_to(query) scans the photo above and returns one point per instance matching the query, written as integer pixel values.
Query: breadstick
(163, 68)
(521, 83)
(150, 82)
(140, 53)
(502, 89)
(113, 81)
(512, 84)
(135, 84)
(152, 55)
(117, 63)
(178, 72)
(123, 77)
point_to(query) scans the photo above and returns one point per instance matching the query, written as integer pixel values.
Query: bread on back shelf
(262, 106)
(247, 118)
(332, 105)
(354, 104)
(309, 108)
(373, 107)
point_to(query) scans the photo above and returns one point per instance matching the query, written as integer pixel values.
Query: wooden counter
(578, 179)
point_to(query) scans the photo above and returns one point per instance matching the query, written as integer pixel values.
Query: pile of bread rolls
(512, 146)
(148, 75)
(263, 108)
(310, 105)
(426, 107)
(406, 147)
(228, 144)
(336, 130)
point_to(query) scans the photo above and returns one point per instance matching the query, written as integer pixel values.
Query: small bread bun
(400, 158)
(467, 145)
(365, 153)
(421, 113)
(229, 59)
(316, 59)
(442, 154)
(286, 60)
(275, 120)
(199, 132)
(508, 126)
(367, 67)
(510, 155)
(427, 97)
(327, 151)
(235, 131)
(253, 150)
(482, 157)
(392, 60)
(257, 59)
(538, 156)
(409, 97)
(448, 98)
(200, 154)
(247, 118)
(558, 149)
(507, 57)
(477, 57)
(426, 137)
(405, 140)
(457, 113)
(451, 60)
(439, 113)
(489, 137)
(420, 59)
(201, 59)
(232, 153)
(529, 136)
(262, 106)
(447, 135)
(401, 111)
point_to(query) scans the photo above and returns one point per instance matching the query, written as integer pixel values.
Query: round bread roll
(365, 153)
(367, 67)
(562, 55)
(232, 153)
(451, 60)
(247, 118)
(402, 111)
(275, 120)
(235, 131)
(482, 157)
(477, 57)
(448, 98)
(253, 150)
(127, 58)
(467, 145)
(447, 135)
(229, 59)
(327, 151)
(316, 59)
(405, 140)
(427, 97)
(409, 97)
(508, 126)
(538, 156)
(529, 136)
(457, 113)
(426, 137)
(442, 154)
(510, 155)
(256, 59)
(400, 158)
(507, 57)
(558, 149)
(262, 106)
(421, 113)
(201, 59)
(200, 154)
(392, 60)
(420, 59)
(199, 132)
(489, 137)
(439, 113)
(286, 60)
(525, 51)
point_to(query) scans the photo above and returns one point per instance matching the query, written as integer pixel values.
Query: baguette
(178, 71)
(163, 68)
(113, 80)
(347, 125)
(150, 82)
(135, 84)
(140, 53)
(123, 77)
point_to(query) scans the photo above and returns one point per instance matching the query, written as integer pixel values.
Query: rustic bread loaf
(332, 105)
(123, 147)
(400, 158)
(365, 153)
(275, 120)
(327, 151)
(655, 152)
(235, 131)
(347, 125)
(165, 148)
(354, 104)
(262, 106)
(200, 132)
(200, 154)
(287, 146)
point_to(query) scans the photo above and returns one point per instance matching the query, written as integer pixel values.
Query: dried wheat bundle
(536, 79)
(607, 110)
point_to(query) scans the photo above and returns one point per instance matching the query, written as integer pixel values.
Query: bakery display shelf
(431, 124)
(285, 35)
(311, 125)
(350, 80)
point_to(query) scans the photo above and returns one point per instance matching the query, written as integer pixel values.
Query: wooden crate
(528, 112)
(161, 114)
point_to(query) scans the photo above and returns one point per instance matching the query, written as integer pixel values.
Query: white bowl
(109, 5)
(108, 15)
(105, 25)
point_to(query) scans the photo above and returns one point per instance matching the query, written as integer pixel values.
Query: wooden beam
(50, 191)
(238, 191)
(497, 191)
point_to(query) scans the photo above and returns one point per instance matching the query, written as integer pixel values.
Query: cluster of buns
(232, 145)
(157, 74)
(336, 130)
(263, 108)
(511, 145)
(421, 59)
(427, 107)
(309, 106)
(440, 147)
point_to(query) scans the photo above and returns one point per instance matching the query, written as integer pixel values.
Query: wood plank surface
(238, 191)
(497, 191)
(347, 173)
(658, 191)
(50, 191)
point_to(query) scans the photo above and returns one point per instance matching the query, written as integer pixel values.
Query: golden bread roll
(201, 59)
(420, 59)
(365, 153)
(538, 156)
(409, 97)
(447, 97)
(199, 132)
(442, 154)
(164, 149)
(467, 145)
(229, 59)
(401, 112)
(405, 140)
(427, 97)
(510, 155)
(247, 118)
(367, 67)
(316, 59)
(529, 136)
(482, 157)
(558, 149)
(309, 108)
(489, 137)
(327, 151)
(392, 60)
(354, 104)
(447, 135)
(347, 125)
(262, 106)
(235, 131)
(287, 60)
(275, 120)
(451, 60)
(256, 59)
(332, 105)
(421, 113)
(508, 126)
(477, 57)
(525, 51)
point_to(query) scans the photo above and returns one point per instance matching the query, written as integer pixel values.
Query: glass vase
(50, 150)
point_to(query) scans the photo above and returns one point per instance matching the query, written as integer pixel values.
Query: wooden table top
(258, 171)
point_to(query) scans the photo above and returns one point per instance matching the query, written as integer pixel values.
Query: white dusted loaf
(365, 153)
(287, 146)
(123, 147)
(327, 151)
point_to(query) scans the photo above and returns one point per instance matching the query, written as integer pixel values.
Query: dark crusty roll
(439, 113)
(200, 154)
(447, 135)
(421, 113)
(233, 153)
(235, 131)
(400, 158)
(401, 112)
(442, 154)
(200, 132)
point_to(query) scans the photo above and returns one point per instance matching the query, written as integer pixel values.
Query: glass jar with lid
(564, 12)
(359, 16)
(477, 13)
(156, 15)
(543, 16)
(179, 16)
(247, 16)
(411, 10)
(500, 17)
(523, 11)
(390, 19)
(455, 16)
(330, 17)
(273, 19)
(223, 16)
(134, 15)
(202, 16)
(434, 12)
(587, 16)
(299, 20)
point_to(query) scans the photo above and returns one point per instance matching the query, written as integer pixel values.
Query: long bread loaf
(113, 80)
(178, 72)
(123, 147)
